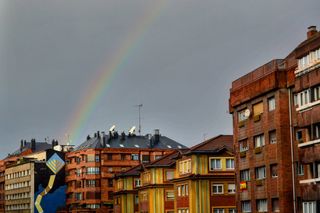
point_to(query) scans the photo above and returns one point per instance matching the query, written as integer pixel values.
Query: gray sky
(181, 67)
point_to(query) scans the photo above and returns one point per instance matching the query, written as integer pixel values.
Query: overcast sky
(180, 68)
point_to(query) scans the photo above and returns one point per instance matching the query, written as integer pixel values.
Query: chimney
(98, 134)
(54, 143)
(88, 137)
(21, 145)
(312, 30)
(33, 144)
(123, 136)
(24, 143)
(156, 136)
(103, 139)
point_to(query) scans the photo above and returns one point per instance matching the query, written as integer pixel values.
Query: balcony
(313, 180)
(307, 106)
(309, 151)
(309, 68)
(310, 190)
(309, 143)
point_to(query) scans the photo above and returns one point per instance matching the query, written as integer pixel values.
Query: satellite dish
(112, 128)
(132, 130)
(247, 113)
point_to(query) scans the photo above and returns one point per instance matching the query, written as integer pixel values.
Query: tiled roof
(167, 160)
(130, 142)
(214, 144)
(134, 171)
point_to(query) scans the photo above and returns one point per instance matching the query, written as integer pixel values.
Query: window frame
(217, 186)
(214, 159)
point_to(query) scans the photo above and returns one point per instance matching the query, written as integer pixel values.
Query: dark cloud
(180, 69)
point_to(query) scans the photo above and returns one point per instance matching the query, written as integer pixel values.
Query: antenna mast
(139, 106)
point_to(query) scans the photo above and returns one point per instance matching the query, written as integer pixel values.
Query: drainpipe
(292, 153)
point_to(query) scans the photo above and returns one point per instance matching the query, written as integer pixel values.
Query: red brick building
(275, 124)
(91, 166)
(305, 67)
(2, 191)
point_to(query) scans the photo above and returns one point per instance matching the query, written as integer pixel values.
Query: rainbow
(103, 79)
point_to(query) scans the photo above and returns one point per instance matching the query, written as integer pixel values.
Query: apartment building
(91, 166)
(156, 193)
(35, 184)
(204, 178)
(126, 198)
(259, 104)
(304, 63)
(2, 181)
(276, 127)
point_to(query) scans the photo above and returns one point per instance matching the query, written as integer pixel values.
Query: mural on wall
(50, 193)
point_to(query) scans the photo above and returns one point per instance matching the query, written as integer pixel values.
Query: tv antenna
(139, 106)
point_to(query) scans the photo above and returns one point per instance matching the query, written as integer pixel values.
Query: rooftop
(113, 140)
(213, 145)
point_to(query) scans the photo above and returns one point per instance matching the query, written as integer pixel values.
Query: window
(93, 170)
(215, 164)
(134, 156)
(90, 158)
(299, 136)
(123, 156)
(245, 175)
(259, 141)
(303, 98)
(183, 190)
(120, 184)
(144, 196)
(230, 163)
(300, 169)
(109, 156)
(136, 199)
(246, 206)
(169, 175)
(271, 104)
(184, 210)
(260, 172)
(272, 137)
(110, 182)
(97, 158)
(316, 93)
(262, 205)
(146, 178)
(185, 166)
(274, 170)
(218, 210)
(110, 195)
(275, 205)
(243, 145)
(231, 188)
(169, 195)
(258, 109)
(145, 158)
(309, 207)
(316, 131)
(137, 182)
(242, 115)
(156, 157)
(232, 211)
(217, 189)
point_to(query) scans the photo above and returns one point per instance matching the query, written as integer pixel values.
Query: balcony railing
(309, 68)
(309, 105)
(309, 143)
(313, 180)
